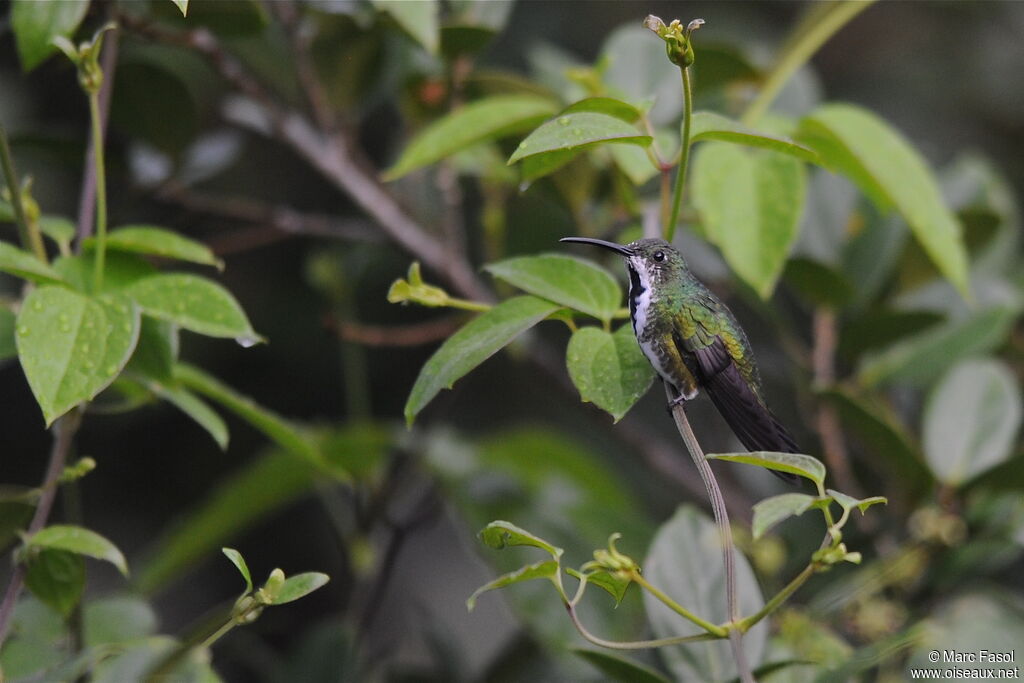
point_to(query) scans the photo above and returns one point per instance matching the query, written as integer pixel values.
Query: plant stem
(800, 51)
(633, 644)
(101, 189)
(713, 629)
(108, 61)
(468, 305)
(684, 154)
(747, 622)
(28, 232)
(724, 532)
(64, 435)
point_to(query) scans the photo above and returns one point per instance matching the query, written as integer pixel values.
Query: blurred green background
(512, 440)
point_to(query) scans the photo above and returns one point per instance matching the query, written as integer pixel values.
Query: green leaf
(243, 568)
(75, 539)
(540, 165)
(619, 668)
(182, 6)
(631, 160)
(157, 350)
(605, 105)
(818, 284)
(233, 506)
(750, 204)
(849, 502)
(706, 125)
(36, 24)
(278, 429)
(8, 347)
(418, 19)
(120, 270)
(919, 359)
(794, 463)
(122, 335)
(500, 534)
(971, 420)
(57, 578)
(613, 584)
(577, 131)
(194, 407)
(862, 146)
(480, 339)
(771, 511)
(149, 239)
(609, 369)
(574, 283)
(117, 619)
(71, 347)
(485, 119)
(548, 569)
(59, 229)
(299, 586)
(194, 303)
(134, 660)
(25, 265)
(685, 561)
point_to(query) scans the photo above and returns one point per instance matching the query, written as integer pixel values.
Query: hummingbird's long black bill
(617, 248)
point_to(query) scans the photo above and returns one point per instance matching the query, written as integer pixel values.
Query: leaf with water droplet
(192, 302)
(53, 358)
(609, 369)
(122, 335)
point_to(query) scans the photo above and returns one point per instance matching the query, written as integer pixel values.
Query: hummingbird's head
(649, 260)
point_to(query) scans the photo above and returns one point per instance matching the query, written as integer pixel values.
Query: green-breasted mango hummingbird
(694, 342)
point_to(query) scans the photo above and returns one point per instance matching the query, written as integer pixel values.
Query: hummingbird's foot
(677, 401)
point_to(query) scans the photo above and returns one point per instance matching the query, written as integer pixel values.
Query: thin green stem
(633, 644)
(747, 623)
(101, 190)
(684, 154)
(713, 629)
(467, 305)
(28, 231)
(800, 51)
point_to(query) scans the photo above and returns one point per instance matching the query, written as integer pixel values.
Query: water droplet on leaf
(564, 120)
(247, 342)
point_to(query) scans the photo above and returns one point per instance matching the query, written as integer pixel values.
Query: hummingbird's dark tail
(747, 416)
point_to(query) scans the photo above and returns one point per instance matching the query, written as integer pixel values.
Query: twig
(278, 217)
(724, 532)
(823, 357)
(394, 335)
(333, 155)
(29, 237)
(64, 435)
(87, 199)
(635, 644)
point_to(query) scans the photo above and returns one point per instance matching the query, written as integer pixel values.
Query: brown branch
(823, 358)
(278, 217)
(64, 431)
(333, 155)
(394, 335)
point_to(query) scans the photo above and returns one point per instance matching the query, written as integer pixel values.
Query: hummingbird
(694, 342)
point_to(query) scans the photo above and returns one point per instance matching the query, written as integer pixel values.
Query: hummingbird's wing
(738, 402)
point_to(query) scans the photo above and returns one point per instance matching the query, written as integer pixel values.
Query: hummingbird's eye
(659, 256)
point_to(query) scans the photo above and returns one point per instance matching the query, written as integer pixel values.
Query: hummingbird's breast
(654, 333)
